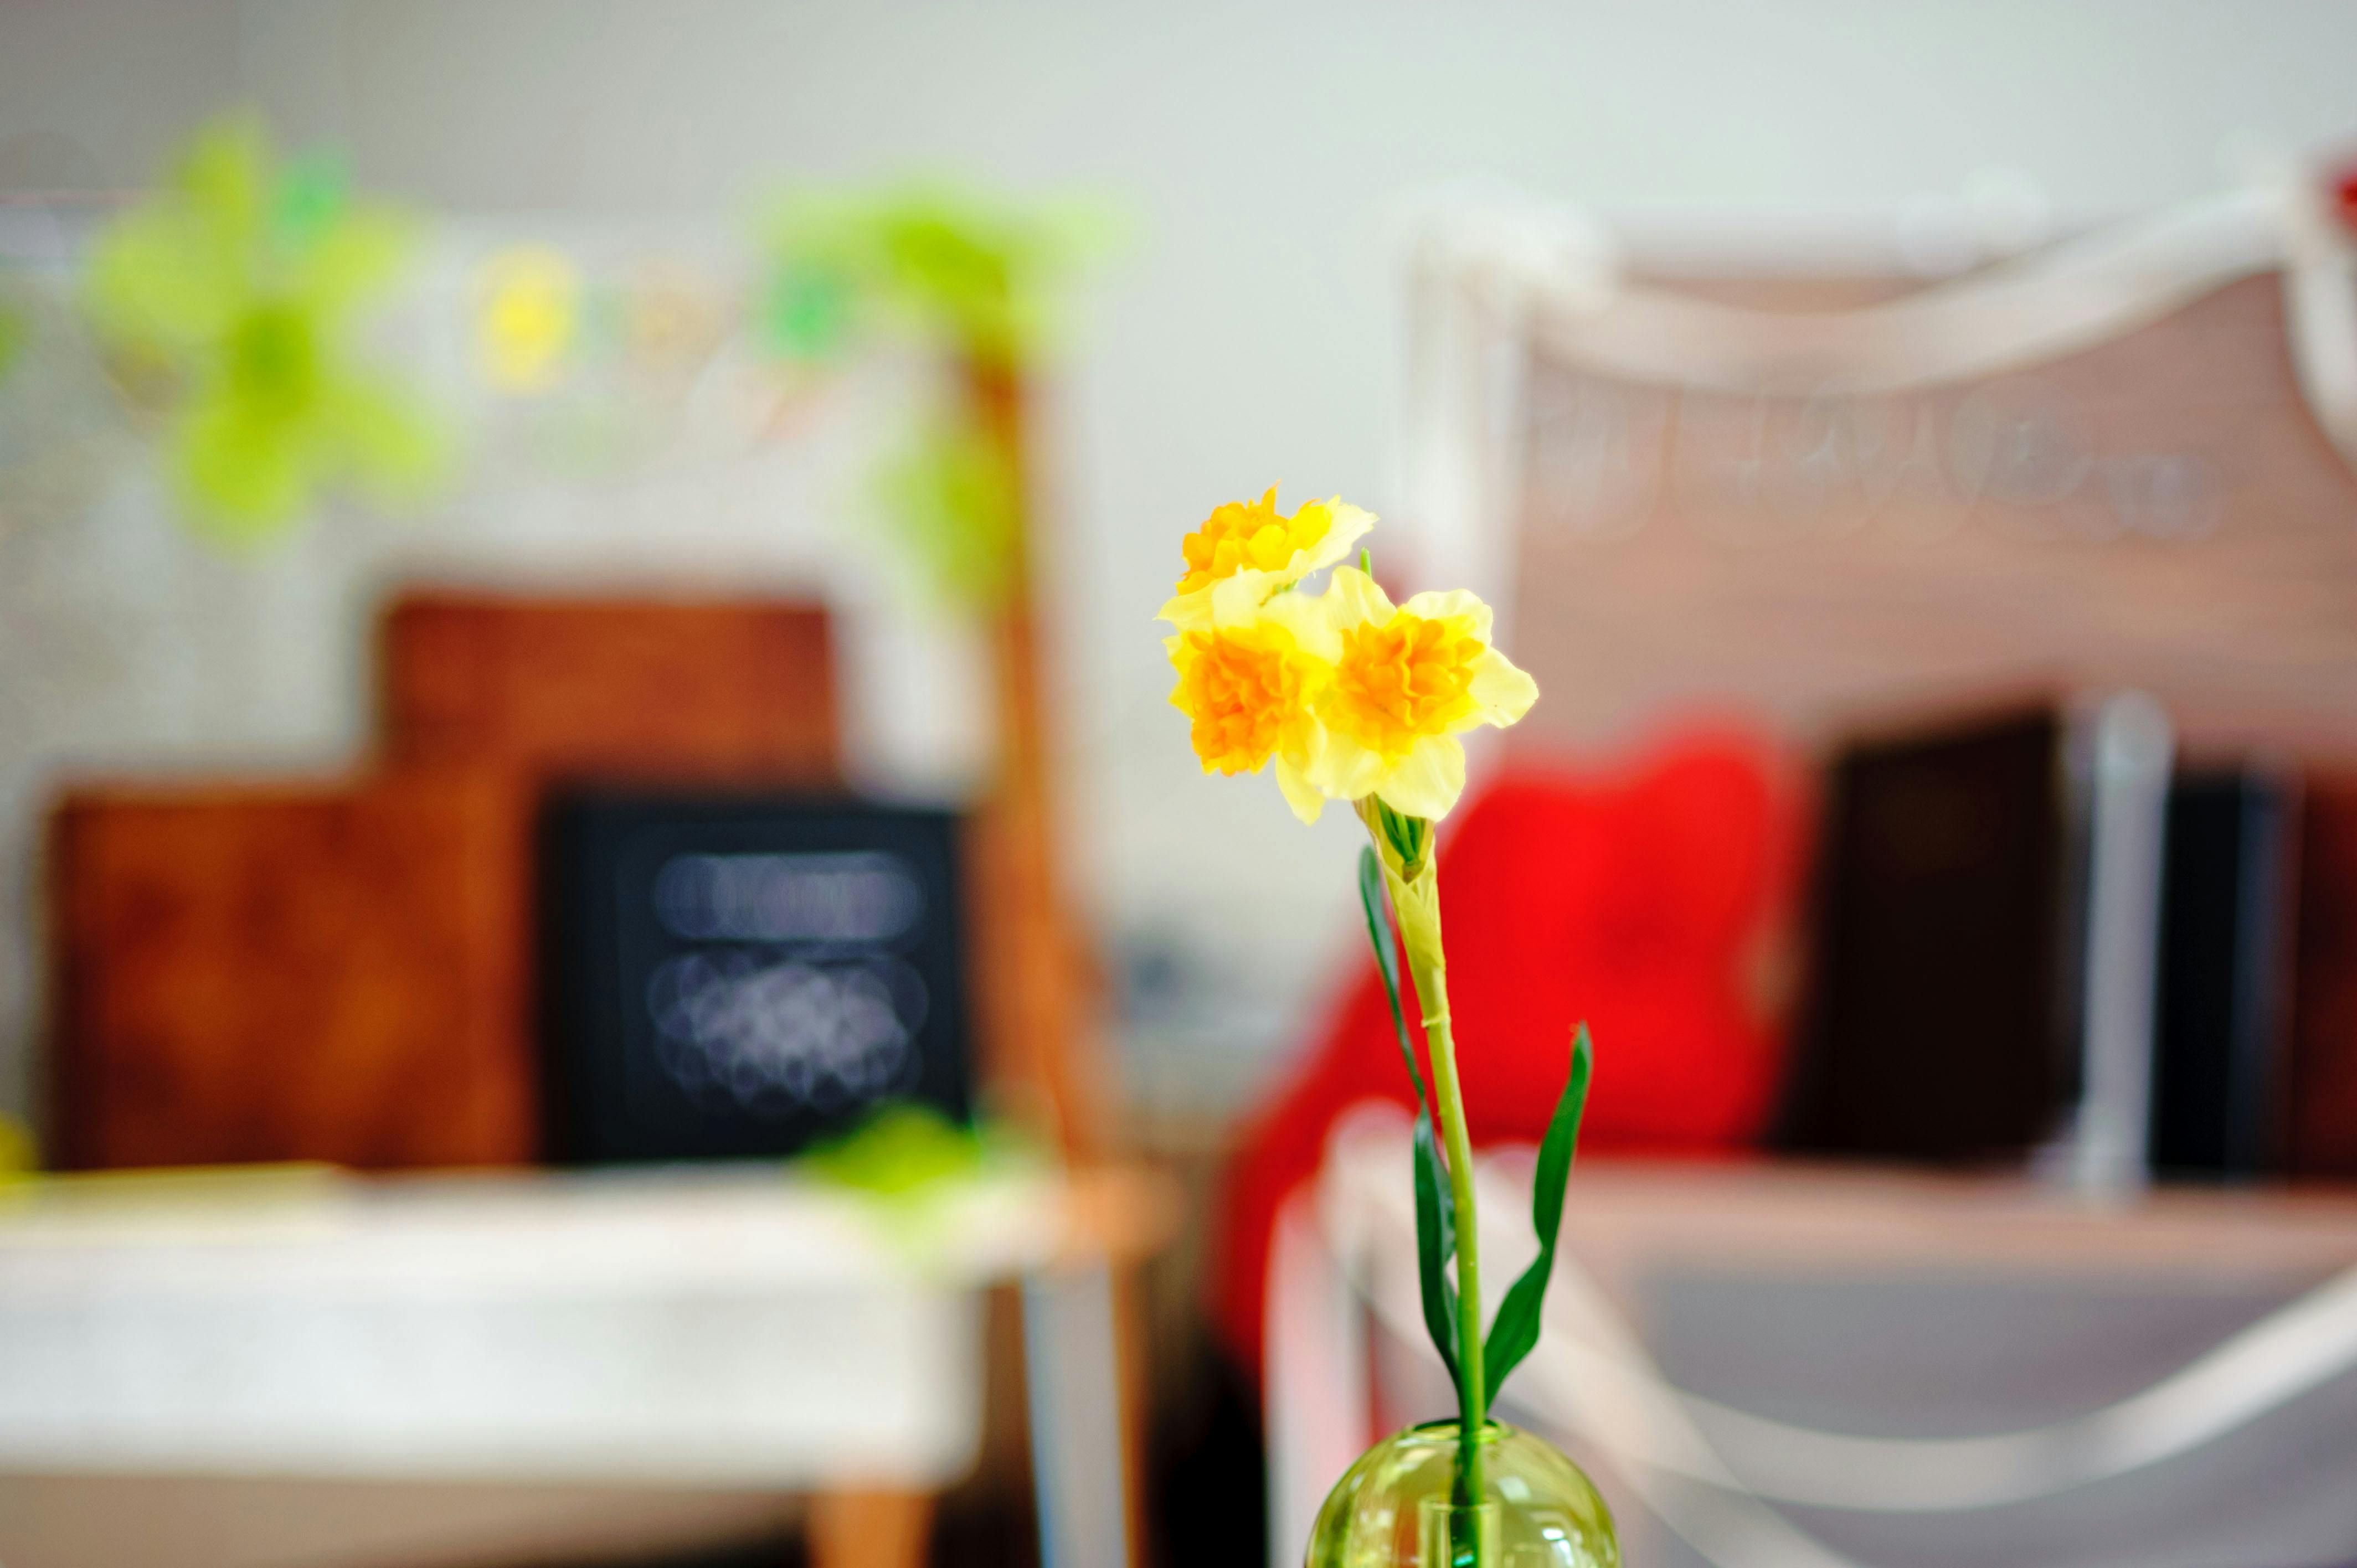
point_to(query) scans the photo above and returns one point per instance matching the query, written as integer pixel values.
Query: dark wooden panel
(741, 691)
(332, 972)
(2321, 1110)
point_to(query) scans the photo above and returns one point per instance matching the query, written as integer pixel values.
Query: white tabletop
(715, 1325)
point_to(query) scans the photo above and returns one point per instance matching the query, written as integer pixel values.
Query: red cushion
(1645, 901)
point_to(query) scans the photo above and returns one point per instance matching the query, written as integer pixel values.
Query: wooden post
(1033, 976)
(870, 1528)
(1036, 981)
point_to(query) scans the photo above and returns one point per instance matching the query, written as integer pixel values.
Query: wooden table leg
(869, 1527)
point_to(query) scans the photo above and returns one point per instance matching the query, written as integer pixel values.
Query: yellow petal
(1354, 599)
(1428, 780)
(1188, 612)
(1344, 769)
(1299, 792)
(1271, 549)
(1254, 537)
(1310, 620)
(1344, 528)
(1237, 599)
(1503, 692)
(1454, 604)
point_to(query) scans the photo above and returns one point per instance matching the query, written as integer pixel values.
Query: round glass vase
(1392, 1508)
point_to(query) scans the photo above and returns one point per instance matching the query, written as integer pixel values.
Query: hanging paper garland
(595, 368)
(959, 266)
(970, 277)
(239, 289)
(61, 430)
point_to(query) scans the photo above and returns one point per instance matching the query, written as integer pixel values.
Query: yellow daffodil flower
(1354, 698)
(1247, 551)
(1249, 683)
(1408, 680)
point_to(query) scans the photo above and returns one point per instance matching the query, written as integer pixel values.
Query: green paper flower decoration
(914, 1170)
(241, 286)
(974, 276)
(14, 332)
(952, 497)
(903, 1151)
(927, 257)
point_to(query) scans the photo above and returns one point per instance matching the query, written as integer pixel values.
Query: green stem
(1429, 966)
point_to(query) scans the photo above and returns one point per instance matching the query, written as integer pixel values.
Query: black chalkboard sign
(733, 976)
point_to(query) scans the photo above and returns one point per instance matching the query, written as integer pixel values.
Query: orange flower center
(1241, 691)
(1403, 681)
(1253, 534)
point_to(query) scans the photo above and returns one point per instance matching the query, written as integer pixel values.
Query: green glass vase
(1392, 1508)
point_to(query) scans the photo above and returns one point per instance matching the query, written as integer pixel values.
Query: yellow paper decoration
(531, 315)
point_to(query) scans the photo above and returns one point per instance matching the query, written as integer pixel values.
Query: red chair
(1654, 902)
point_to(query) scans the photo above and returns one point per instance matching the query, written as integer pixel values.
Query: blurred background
(575, 591)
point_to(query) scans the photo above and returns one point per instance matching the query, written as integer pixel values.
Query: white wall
(1252, 336)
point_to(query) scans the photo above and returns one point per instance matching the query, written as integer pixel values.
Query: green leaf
(1435, 1201)
(1516, 1327)
(1379, 933)
(1436, 1244)
(1409, 839)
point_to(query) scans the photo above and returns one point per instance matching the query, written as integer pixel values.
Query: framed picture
(736, 975)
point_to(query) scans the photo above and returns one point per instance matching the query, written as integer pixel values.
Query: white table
(713, 1327)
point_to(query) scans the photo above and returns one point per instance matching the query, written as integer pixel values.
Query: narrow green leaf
(1435, 1201)
(1516, 1327)
(1379, 933)
(1436, 1244)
